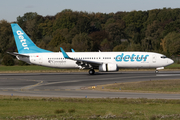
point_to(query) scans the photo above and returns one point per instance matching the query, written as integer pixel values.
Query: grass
(85, 108)
(173, 66)
(155, 86)
(33, 68)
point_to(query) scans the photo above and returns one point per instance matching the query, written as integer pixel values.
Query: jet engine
(108, 67)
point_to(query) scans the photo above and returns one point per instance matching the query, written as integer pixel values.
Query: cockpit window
(163, 57)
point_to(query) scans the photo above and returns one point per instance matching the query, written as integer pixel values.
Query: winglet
(72, 50)
(64, 53)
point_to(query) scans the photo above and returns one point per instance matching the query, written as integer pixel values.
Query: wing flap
(89, 62)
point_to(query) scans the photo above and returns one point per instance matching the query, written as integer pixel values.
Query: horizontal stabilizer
(17, 54)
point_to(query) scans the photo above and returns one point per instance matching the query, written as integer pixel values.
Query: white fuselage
(121, 59)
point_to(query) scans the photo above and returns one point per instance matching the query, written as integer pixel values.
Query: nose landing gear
(156, 71)
(159, 68)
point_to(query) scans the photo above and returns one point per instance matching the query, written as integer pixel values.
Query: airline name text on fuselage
(131, 58)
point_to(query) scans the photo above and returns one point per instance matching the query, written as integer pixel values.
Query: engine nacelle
(108, 67)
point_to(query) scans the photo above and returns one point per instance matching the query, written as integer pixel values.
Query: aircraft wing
(93, 63)
(82, 62)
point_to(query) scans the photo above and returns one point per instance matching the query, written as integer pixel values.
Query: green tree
(26, 17)
(96, 39)
(57, 39)
(83, 24)
(115, 29)
(81, 42)
(137, 18)
(164, 15)
(116, 32)
(105, 45)
(8, 60)
(171, 27)
(5, 36)
(154, 34)
(152, 16)
(66, 46)
(172, 41)
(46, 27)
(31, 29)
(65, 19)
(122, 47)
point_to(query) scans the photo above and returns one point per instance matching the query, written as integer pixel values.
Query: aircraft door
(154, 58)
(36, 59)
(40, 59)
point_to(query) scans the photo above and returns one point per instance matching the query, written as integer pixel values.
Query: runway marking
(27, 90)
(5, 90)
(168, 75)
(47, 90)
(67, 89)
(57, 90)
(78, 89)
(91, 80)
(31, 86)
(36, 90)
(15, 90)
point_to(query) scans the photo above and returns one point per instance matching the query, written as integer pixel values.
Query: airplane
(103, 61)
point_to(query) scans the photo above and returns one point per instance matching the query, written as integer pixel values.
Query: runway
(75, 84)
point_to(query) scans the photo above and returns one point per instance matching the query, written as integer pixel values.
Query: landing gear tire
(156, 71)
(91, 72)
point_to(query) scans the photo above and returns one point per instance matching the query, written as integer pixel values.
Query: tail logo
(23, 41)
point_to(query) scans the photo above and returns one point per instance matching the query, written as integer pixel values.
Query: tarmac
(75, 84)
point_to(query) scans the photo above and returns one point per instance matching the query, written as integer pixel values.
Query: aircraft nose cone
(170, 61)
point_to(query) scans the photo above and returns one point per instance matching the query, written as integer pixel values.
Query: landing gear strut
(159, 68)
(156, 71)
(91, 71)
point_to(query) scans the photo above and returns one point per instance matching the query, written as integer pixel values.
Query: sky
(11, 9)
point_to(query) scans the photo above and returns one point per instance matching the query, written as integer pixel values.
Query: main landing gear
(91, 71)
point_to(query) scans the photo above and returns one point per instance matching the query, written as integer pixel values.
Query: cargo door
(154, 58)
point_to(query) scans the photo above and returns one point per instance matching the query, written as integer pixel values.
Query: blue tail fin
(24, 44)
